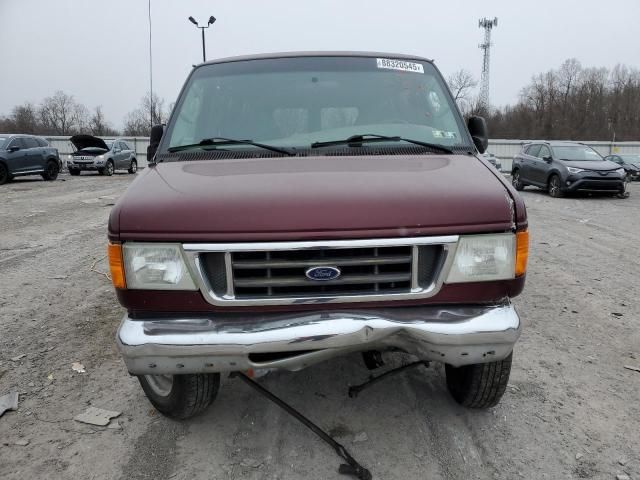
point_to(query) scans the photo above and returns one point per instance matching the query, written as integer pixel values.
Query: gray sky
(97, 50)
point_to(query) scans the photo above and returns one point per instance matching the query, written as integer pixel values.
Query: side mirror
(480, 135)
(13, 148)
(547, 159)
(154, 141)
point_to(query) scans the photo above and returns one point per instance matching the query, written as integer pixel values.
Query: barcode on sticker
(400, 65)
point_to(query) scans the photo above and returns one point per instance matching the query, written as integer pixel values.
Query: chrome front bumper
(458, 335)
(84, 166)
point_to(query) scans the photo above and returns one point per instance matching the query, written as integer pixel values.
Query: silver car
(104, 156)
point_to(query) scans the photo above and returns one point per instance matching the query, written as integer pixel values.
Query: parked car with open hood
(564, 167)
(27, 155)
(303, 206)
(630, 163)
(104, 156)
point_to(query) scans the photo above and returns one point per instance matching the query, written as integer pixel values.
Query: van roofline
(264, 56)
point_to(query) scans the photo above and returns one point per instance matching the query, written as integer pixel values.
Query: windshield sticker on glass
(400, 65)
(443, 134)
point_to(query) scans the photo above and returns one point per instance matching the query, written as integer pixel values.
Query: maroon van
(303, 206)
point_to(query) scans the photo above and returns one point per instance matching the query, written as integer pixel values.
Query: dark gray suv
(563, 167)
(27, 155)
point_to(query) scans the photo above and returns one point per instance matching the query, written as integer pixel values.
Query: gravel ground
(571, 409)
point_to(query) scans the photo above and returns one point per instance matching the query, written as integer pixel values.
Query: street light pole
(150, 73)
(204, 51)
(212, 20)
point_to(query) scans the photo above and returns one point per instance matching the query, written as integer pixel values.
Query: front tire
(181, 396)
(51, 171)
(555, 187)
(108, 169)
(480, 385)
(4, 174)
(133, 167)
(516, 181)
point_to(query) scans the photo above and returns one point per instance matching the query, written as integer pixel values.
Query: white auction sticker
(400, 65)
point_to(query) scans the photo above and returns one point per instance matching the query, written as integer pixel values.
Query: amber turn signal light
(116, 265)
(522, 252)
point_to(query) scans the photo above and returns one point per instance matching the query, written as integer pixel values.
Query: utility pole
(212, 19)
(487, 25)
(150, 73)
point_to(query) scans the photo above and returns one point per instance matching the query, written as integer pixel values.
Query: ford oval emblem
(322, 274)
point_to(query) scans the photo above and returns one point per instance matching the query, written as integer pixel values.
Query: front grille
(283, 273)
(277, 273)
(600, 182)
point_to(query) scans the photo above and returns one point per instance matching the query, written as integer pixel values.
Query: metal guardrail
(505, 150)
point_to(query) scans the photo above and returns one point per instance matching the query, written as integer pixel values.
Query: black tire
(51, 171)
(480, 385)
(108, 169)
(74, 172)
(516, 181)
(555, 186)
(133, 166)
(187, 396)
(4, 174)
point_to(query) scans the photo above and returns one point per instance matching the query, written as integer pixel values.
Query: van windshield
(295, 102)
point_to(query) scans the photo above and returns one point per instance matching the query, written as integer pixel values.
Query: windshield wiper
(358, 140)
(220, 141)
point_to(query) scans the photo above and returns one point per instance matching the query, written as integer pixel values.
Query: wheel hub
(160, 384)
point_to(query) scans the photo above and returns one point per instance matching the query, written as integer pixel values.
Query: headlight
(100, 158)
(620, 171)
(156, 266)
(575, 170)
(485, 257)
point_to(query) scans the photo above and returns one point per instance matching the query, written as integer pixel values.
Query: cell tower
(488, 25)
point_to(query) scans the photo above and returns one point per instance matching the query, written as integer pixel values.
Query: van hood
(294, 198)
(86, 141)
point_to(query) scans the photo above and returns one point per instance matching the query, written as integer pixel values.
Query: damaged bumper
(458, 335)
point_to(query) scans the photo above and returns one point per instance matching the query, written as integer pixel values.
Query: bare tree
(574, 103)
(23, 119)
(60, 114)
(461, 84)
(98, 125)
(138, 122)
(474, 106)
